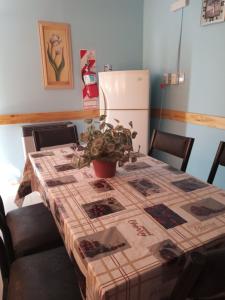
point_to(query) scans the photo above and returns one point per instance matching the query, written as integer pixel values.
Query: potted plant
(105, 146)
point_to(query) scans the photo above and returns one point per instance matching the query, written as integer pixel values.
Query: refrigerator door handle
(104, 101)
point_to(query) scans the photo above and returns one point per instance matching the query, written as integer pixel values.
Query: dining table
(131, 234)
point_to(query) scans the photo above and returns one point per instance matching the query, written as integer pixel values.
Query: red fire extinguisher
(90, 82)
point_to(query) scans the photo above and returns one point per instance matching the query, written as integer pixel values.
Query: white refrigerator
(124, 95)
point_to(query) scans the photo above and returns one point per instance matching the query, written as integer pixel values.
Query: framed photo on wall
(56, 55)
(213, 11)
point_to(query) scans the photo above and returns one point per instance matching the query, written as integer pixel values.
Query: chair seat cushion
(48, 275)
(32, 230)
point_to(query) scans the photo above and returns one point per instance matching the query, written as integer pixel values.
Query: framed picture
(213, 11)
(56, 55)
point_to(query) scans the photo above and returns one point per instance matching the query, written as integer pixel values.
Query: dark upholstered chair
(55, 136)
(176, 145)
(28, 230)
(202, 278)
(218, 160)
(48, 275)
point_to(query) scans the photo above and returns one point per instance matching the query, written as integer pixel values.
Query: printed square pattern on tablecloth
(145, 187)
(136, 166)
(69, 156)
(64, 167)
(100, 244)
(165, 216)
(60, 214)
(39, 167)
(42, 154)
(189, 184)
(205, 209)
(102, 207)
(166, 251)
(60, 181)
(101, 186)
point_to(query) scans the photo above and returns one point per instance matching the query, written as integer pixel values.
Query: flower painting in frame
(213, 11)
(56, 55)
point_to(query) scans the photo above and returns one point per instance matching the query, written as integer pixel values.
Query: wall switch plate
(166, 78)
(173, 78)
(170, 78)
(178, 5)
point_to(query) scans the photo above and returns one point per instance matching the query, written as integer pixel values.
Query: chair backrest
(2, 209)
(202, 277)
(55, 136)
(218, 160)
(4, 265)
(174, 144)
(6, 232)
(7, 237)
(192, 270)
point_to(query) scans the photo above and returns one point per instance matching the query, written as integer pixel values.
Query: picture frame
(56, 55)
(213, 11)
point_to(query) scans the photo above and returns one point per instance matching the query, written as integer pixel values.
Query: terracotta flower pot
(104, 169)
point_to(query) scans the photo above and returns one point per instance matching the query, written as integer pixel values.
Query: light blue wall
(115, 30)
(112, 28)
(202, 60)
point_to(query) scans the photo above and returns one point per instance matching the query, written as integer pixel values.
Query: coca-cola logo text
(141, 230)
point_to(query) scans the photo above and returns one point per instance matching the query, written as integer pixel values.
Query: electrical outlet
(178, 5)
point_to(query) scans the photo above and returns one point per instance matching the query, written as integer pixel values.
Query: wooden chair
(176, 145)
(44, 138)
(202, 277)
(218, 160)
(28, 230)
(48, 275)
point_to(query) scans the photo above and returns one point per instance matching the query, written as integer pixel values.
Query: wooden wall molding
(48, 117)
(185, 117)
(188, 117)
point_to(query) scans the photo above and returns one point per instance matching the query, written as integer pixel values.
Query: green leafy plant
(106, 142)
